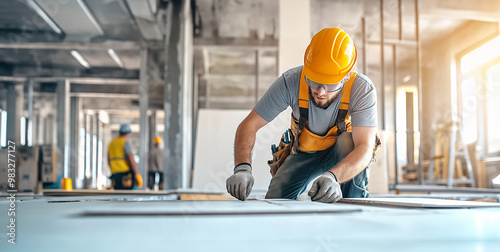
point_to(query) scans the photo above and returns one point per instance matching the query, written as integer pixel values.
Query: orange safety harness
(307, 140)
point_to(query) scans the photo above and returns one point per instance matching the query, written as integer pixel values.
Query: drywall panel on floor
(216, 207)
(214, 157)
(418, 203)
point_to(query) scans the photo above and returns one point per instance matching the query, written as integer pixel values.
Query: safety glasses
(328, 87)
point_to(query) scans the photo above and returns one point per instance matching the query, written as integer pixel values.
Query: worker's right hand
(240, 184)
(326, 189)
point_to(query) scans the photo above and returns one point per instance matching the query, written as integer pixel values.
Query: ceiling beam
(71, 46)
(104, 95)
(97, 81)
(393, 42)
(235, 44)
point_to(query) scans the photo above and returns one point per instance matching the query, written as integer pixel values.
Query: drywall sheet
(217, 207)
(76, 192)
(418, 203)
(214, 157)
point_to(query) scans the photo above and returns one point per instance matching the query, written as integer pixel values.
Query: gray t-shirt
(127, 148)
(284, 92)
(155, 160)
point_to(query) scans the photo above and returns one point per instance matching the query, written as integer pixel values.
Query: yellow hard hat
(157, 140)
(330, 56)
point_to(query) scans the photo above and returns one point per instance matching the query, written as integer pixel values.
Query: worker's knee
(344, 144)
(282, 186)
(357, 186)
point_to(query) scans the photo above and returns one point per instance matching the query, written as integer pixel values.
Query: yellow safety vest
(118, 162)
(307, 140)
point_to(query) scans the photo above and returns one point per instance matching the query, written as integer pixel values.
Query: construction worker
(121, 161)
(333, 130)
(155, 165)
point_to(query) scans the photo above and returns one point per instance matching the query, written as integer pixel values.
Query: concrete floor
(156, 223)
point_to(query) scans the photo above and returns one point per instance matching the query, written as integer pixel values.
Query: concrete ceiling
(116, 21)
(38, 35)
(49, 24)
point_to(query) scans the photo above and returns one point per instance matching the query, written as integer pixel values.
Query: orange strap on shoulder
(346, 93)
(303, 92)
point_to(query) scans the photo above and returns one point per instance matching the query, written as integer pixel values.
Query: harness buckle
(341, 127)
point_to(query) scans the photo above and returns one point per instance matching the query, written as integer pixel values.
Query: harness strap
(343, 114)
(303, 110)
(303, 102)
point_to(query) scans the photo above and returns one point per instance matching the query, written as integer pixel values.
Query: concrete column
(87, 154)
(62, 119)
(15, 103)
(152, 128)
(295, 32)
(89, 172)
(187, 93)
(143, 104)
(178, 96)
(74, 137)
(96, 173)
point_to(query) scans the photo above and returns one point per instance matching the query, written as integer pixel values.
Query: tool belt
(378, 143)
(122, 180)
(281, 152)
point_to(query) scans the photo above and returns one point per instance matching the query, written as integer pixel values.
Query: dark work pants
(151, 179)
(123, 180)
(300, 169)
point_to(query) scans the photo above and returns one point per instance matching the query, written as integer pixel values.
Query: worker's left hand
(325, 189)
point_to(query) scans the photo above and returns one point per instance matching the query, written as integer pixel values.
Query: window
(492, 89)
(479, 88)
(469, 110)
(486, 52)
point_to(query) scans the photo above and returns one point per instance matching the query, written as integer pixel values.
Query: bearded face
(321, 98)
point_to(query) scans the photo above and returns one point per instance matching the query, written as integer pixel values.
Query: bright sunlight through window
(482, 54)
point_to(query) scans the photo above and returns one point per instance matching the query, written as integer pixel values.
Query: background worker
(334, 114)
(155, 165)
(121, 162)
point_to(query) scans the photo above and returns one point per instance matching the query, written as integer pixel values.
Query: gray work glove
(326, 189)
(240, 184)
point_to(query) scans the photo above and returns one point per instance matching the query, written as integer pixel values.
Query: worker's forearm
(132, 163)
(134, 166)
(353, 164)
(243, 145)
